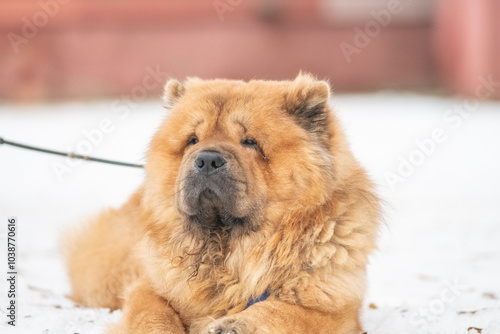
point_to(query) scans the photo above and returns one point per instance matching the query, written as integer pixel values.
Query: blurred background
(69, 49)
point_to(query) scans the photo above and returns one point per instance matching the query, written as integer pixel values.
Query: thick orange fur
(314, 220)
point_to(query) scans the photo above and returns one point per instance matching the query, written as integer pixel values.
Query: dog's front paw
(230, 325)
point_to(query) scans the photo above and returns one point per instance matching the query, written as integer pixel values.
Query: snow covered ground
(436, 160)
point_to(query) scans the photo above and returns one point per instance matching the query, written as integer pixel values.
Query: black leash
(69, 154)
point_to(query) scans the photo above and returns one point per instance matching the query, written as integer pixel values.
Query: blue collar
(264, 296)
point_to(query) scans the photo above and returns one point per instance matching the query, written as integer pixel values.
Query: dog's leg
(277, 317)
(147, 313)
(100, 258)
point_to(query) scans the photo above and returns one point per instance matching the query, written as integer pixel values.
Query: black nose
(209, 162)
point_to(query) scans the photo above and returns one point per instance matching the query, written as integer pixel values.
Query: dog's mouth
(209, 200)
(214, 212)
(208, 197)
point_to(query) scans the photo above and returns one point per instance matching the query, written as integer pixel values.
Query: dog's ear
(307, 100)
(172, 92)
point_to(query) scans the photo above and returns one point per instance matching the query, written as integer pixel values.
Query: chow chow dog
(254, 217)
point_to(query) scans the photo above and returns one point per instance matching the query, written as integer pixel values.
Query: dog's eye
(193, 141)
(249, 142)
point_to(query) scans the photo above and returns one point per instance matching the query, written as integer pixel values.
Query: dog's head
(231, 154)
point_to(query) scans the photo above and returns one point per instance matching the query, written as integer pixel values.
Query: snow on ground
(437, 166)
